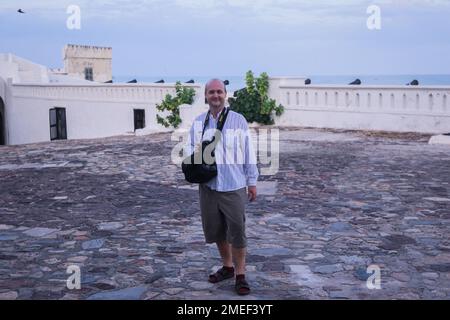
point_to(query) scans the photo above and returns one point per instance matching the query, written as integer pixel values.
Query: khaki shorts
(223, 216)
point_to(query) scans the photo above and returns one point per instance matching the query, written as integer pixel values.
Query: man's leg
(242, 287)
(229, 253)
(232, 204)
(225, 252)
(239, 259)
(227, 271)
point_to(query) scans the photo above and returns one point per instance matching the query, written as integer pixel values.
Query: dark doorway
(139, 119)
(2, 123)
(88, 74)
(58, 130)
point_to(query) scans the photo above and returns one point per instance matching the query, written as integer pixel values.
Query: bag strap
(222, 118)
(206, 123)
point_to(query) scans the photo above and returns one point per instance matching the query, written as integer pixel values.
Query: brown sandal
(220, 275)
(242, 288)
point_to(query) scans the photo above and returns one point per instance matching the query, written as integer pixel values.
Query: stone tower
(88, 62)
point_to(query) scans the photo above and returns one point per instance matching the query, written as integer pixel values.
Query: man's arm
(193, 138)
(250, 167)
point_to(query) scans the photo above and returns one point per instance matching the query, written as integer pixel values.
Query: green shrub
(253, 101)
(184, 95)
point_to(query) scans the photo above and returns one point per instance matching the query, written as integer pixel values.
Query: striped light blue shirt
(234, 154)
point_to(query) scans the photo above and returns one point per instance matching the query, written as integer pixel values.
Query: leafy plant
(183, 95)
(253, 102)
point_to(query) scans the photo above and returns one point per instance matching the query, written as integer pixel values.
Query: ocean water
(238, 82)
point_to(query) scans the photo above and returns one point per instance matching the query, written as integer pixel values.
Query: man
(223, 199)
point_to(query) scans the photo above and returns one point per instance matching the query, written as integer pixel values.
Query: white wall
(3, 88)
(21, 70)
(390, 108)
(8, 69)
(189, 112)
(91, 111)
(101, 110)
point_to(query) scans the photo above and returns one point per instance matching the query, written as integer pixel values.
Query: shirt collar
(218, 115)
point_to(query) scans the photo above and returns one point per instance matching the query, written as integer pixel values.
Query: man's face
(215, 94)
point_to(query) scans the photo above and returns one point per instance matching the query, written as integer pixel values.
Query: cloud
(89, 9)
(285, 12)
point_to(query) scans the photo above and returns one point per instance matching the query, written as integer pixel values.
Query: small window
(139, 119)
(58, 130)
(88, 74)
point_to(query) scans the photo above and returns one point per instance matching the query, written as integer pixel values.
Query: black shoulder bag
(196, 171)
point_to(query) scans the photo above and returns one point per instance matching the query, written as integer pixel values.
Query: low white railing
(362, 107)
(380, 99)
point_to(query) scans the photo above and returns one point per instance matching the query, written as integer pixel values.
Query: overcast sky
(229, 37)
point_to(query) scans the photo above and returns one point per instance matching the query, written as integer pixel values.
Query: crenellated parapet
(89, 52)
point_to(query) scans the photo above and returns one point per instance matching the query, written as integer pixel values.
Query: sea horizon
(238, 82)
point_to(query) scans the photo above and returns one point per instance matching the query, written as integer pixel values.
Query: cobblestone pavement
(119, 210)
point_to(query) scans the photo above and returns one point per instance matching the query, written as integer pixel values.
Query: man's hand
(252, 193)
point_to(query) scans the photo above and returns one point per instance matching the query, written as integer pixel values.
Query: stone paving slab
(118, 209)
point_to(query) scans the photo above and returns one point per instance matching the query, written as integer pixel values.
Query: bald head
(215, 94)
(215, 82)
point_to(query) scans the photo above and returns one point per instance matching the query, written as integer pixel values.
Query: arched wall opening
(2, 122)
